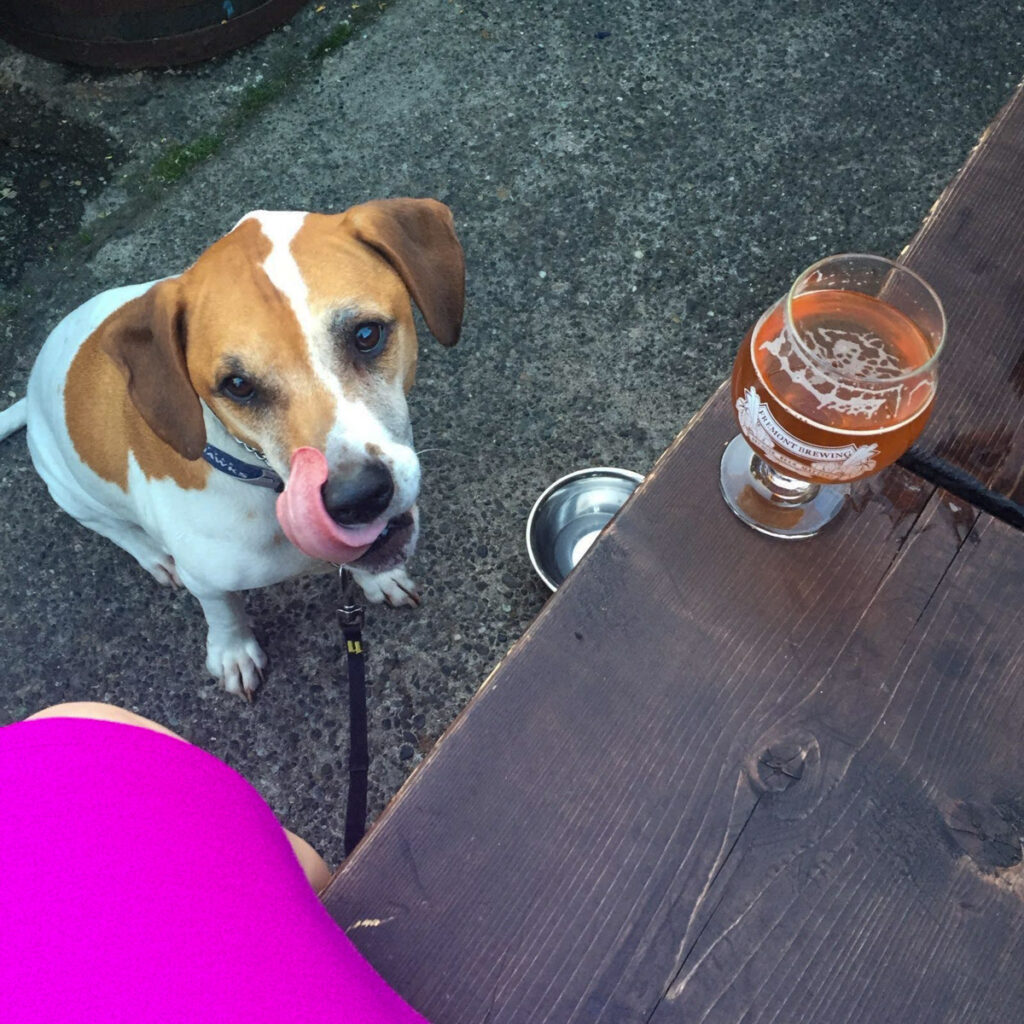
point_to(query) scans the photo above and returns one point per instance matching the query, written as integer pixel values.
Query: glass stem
(786, 490)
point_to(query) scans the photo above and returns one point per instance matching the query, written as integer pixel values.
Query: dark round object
(139, 33)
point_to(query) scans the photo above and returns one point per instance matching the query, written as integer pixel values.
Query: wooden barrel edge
(165, 51)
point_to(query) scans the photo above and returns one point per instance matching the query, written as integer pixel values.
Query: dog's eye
(239, 389)
(369, 337)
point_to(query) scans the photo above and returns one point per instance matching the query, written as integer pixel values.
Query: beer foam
(852, 355)
(856, 354)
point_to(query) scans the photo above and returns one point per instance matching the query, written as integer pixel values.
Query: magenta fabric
(143, 880)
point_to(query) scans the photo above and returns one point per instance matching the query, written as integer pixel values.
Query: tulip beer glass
(834, 382)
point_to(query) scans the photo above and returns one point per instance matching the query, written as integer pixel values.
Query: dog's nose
(359, 497)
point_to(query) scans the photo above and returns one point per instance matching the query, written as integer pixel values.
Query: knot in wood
(781, 765)
(983, 834)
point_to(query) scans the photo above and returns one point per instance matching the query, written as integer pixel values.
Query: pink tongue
(301, 513)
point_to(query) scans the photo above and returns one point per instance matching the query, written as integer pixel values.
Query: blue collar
(243, 471)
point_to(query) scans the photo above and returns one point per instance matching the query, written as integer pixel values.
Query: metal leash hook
(351, 617)
(351, 614)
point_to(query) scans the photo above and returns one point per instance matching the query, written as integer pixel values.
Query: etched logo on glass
(774, 442)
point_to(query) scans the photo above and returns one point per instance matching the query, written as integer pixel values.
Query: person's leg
(317, 871)
(103, 712)
(314, 866)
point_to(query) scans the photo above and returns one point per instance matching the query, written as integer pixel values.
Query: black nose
(359, 497)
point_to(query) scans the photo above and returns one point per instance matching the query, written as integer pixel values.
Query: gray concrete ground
(633, 182)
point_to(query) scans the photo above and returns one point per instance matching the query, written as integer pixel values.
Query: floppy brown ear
(417, 237)
(146, 340)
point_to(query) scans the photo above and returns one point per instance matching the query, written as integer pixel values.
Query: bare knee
(313, 865)
(102, 712)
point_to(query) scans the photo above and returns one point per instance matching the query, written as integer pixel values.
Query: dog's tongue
(305, 521)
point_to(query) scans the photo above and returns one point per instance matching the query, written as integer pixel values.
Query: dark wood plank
(878, 876)
(564, 853)
(971, 249)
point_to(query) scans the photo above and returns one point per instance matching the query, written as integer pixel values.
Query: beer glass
(834, 382)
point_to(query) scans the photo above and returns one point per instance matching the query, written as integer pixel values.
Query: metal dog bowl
(566, 519)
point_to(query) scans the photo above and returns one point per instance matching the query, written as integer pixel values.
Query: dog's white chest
(225, 534)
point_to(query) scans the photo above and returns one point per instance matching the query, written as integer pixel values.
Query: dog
(246, 422)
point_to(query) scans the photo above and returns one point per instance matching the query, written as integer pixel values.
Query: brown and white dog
(246, 422)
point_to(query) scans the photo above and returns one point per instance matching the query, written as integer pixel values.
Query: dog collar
(244, 471)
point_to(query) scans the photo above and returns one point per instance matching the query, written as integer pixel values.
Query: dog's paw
(237, 663)
(395, 586)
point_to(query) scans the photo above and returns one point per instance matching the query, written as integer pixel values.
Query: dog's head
(295, 331)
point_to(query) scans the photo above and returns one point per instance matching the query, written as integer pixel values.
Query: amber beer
(842, 399)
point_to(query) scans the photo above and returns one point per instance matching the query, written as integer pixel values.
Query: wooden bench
(727, 778)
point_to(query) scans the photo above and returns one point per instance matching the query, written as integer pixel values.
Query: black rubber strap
(351, 617)
(953, 479)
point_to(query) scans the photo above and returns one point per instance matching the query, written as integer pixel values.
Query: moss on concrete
(180, 158)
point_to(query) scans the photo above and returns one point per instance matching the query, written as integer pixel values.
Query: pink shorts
(143, 880)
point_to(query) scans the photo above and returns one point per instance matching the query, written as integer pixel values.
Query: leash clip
(351, 615)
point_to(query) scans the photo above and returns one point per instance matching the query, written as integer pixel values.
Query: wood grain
(885, 882)
(971, 250)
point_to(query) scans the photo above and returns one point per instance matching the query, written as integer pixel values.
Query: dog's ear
(417, 237)
(146, 340)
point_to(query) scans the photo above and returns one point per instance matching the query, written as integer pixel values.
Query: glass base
(772, 502)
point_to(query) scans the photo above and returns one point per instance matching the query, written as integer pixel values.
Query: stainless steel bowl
(566, 519)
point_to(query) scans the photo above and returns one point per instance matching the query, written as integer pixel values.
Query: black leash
(351, 616)
(953, 479)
